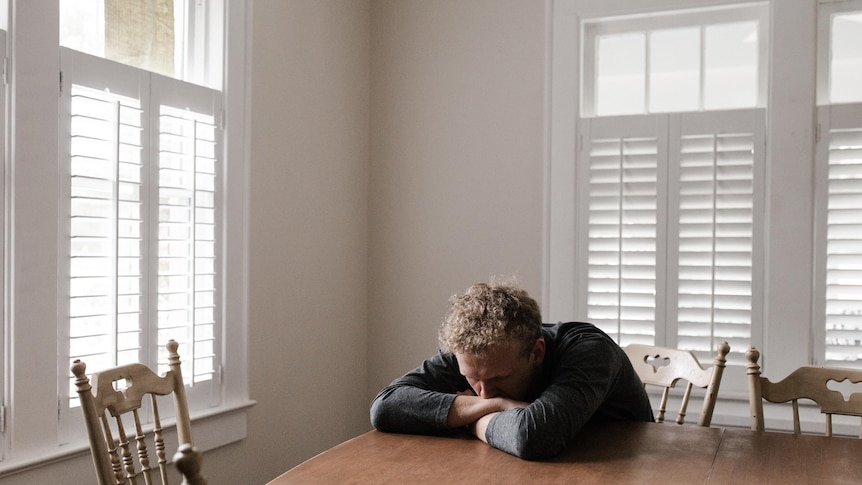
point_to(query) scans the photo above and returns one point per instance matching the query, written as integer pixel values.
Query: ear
(537, 354)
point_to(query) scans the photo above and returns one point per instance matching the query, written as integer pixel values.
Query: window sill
(211, 429)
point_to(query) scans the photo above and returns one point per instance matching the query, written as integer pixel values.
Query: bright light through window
(846, 64)
(676, 63)
(620, 79)
(730, 66)
(181, 39)
(674, 70)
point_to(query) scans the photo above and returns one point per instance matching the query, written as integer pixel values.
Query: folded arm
(433, 398)
(582, 384)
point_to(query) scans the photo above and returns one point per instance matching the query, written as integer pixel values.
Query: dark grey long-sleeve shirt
(585, 376)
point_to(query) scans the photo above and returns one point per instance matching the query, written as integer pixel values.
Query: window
(669, 176)
(144, 166)
(708, 59)
(800, 235)
(126, 227)
(838, 256)
(180, 39)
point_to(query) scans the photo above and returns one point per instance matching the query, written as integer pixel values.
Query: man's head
(495, 332)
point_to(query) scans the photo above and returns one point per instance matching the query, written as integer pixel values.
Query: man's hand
(469, 409)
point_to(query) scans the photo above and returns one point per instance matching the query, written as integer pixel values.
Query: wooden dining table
(602, 453)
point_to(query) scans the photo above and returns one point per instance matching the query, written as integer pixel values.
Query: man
(518, 385)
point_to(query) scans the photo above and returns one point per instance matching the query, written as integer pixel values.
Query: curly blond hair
(488, 315)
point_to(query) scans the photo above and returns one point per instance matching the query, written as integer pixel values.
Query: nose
(484, 390)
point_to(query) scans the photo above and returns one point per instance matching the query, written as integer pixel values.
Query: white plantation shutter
(716, 168)
(105, 246)
(620, 205)
(839, 236)
(187, 230)
(103, 151)
(143, 228)
(671, 215)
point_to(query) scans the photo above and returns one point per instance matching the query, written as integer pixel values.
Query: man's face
(505, 372)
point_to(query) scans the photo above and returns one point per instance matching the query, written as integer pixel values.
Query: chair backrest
(664, 367)
(120, 392)
(807, 382)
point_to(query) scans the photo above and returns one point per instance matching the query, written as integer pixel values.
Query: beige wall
(357, 248)
(457, 158)
(308, 235)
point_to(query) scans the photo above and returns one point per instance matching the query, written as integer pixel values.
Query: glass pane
(140, 34)
(730, 65)
(176, 38)
(845, 71)
(82, 25)
(674, 69)
(621, 74)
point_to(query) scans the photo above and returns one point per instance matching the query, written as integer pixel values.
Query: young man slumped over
(519, 385)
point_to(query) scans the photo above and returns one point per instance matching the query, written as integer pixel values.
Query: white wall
(457, 163)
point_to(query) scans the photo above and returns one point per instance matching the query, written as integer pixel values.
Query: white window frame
(787, 250)
(667, 129)
(4, 93)
(31, 326)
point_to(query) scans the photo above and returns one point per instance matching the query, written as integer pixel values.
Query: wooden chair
(188, 461)
(807, 382)
(120, 392)
(664, 367)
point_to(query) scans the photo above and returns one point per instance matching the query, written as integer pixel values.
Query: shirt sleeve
(419, 401)
(585, 379)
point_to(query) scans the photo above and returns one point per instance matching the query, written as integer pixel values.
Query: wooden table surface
(780, 458)
(609, 453)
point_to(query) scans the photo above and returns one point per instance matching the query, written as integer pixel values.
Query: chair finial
(753, 355)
